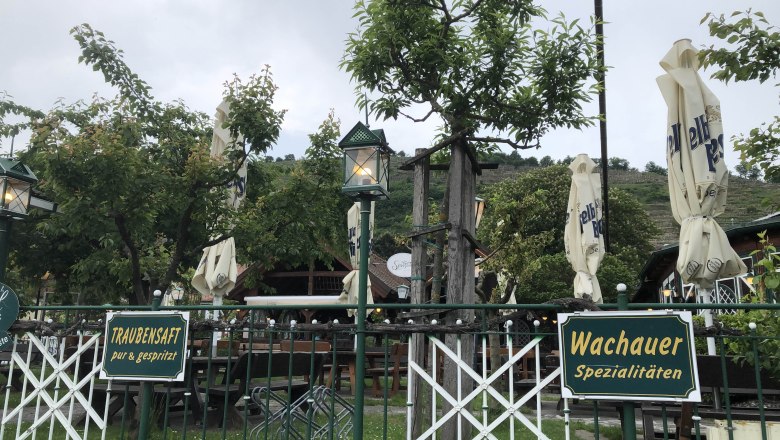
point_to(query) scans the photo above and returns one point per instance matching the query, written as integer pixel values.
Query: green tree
(546, 161)
(618, 163)
(479, 65)
(654, 168)
(299, 216)
(525, 227)
(139, 194)
(747, 171)
(751, 52)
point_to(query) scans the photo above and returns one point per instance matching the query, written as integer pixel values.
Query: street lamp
(403, 292)
(177, 293)
(366, 165)
(16, 181)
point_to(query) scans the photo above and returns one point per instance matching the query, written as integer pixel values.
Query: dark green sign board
(628, 355)
(145, 346)
(9, 311)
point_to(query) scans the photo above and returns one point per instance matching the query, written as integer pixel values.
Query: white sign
(400, 265)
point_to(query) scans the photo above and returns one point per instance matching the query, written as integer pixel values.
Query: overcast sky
(188, 49)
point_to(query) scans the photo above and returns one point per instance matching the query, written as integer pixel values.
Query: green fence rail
(251, 377)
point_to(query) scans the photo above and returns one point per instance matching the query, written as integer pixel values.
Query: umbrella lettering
(714, 152)
(692, 267)
(673, 141)
(588, 215)
(239, 183)
(714, 264)
(352, 233)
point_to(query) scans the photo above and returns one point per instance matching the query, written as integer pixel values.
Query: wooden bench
(123, 393)
(741, 385)
(253, 373)
(398, 358)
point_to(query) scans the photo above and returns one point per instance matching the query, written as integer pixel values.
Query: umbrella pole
(216, 316)
(704, 297)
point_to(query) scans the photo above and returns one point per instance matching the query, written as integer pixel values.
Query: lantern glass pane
(360, 167)
(17, 195)
(384, 168)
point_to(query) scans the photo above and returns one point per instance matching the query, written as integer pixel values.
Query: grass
(374, 429)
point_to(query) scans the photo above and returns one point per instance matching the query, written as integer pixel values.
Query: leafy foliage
(752, 53)
(653, 167)
(747, 171)
(768, 348)
(767, 321)
(298, 216)
(138, 191)
(525, 224)
(769, 264)
(477, 64)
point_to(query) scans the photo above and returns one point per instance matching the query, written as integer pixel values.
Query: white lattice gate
(55, 389)
(486, 422)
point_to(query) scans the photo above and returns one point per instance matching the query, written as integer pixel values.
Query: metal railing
(247, 378)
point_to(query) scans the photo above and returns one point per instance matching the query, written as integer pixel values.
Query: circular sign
(9, 311)
(400, 265)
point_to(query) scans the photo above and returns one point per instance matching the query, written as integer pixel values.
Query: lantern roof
(16, 169)
(361, 136)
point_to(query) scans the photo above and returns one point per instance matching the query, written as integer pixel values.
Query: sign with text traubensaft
(646, 355)
(145, 346)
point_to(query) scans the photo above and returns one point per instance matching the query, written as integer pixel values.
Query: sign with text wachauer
(646, 355)
(145, 346)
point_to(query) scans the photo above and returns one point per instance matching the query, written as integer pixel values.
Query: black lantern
(366, 162)
(16, 180)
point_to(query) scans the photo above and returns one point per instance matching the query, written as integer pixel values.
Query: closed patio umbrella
(698, 177)
(583, 239)
(349, 294)
(216, 272)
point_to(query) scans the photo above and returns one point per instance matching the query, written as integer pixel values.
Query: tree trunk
(460, 280)
(438, 255)
(420, 392)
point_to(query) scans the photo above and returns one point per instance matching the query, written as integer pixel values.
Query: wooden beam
(429, 230)
(446, 166)
(297, 274)
(478, 247)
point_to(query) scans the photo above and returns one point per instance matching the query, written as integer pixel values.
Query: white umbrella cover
(698, 177)
(583, 239)
(217, 272)
(349, 294)
(222, 142)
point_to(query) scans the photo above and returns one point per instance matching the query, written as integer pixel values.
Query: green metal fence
(253, 378)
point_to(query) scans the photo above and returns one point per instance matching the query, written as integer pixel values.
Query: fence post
(360, 331)
(757, 366)
(629, 414)
(148, 388)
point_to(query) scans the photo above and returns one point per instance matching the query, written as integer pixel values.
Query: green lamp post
(366, 164)
(16, 181)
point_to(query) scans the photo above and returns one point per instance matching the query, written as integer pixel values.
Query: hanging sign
(9, 311)
(400, 265)
(145, 346)
(644, 355)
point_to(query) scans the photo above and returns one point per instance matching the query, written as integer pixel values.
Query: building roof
(658, 265)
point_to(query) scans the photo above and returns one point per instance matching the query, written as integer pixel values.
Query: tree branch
(509, 142)
(423, 119)
(466, 13)
(441, 144)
